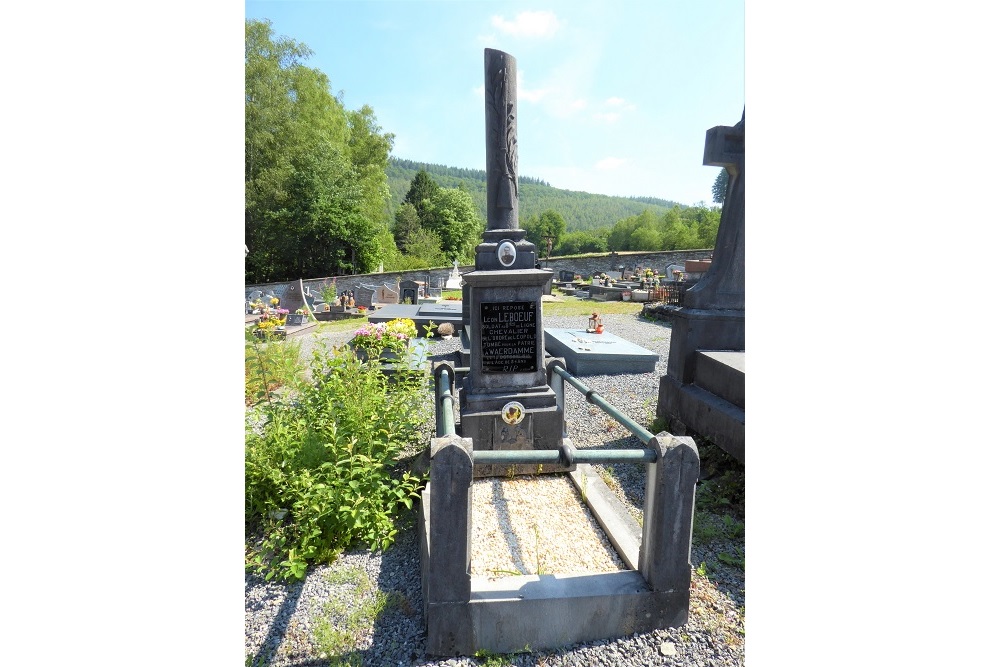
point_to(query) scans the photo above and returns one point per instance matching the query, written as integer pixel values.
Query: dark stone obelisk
(505, 401)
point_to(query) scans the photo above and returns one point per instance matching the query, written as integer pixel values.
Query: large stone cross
(722, 287)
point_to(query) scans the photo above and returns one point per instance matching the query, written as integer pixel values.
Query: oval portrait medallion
(512, 413)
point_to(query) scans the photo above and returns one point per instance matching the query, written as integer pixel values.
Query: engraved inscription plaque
(509, 337)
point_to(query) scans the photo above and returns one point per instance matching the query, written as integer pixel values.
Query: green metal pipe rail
(560, 456)
(598, 400)
(445, 424)
(445, 413)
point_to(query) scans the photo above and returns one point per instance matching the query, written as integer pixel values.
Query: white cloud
(609, 117)
(526, 94)
(578, 104)
(528, 24)
(619, 103)
(609, 163)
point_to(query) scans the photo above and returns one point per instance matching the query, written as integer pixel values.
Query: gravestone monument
(454, 279)
(702, 390)
(505, 400)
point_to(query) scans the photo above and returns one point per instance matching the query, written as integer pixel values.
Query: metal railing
(567, 454)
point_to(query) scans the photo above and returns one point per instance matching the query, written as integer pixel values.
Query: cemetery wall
(585, 265)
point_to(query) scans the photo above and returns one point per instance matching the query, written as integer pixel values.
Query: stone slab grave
(296, 325)
(598, 354)
(421, 314)
(639, 583)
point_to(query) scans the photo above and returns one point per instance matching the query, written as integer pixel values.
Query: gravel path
(285, 624)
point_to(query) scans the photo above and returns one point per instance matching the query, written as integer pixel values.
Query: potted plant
(627, 295)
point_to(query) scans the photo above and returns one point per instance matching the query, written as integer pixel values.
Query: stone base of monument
(712, 404)
(702, 391)
(598, 354)
(541, 427)
(466, 613)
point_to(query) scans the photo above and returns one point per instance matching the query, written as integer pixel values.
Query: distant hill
(581, 210)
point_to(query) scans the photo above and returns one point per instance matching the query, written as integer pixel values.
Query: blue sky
(613, 98)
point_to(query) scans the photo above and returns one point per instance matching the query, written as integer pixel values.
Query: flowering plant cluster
(394, 334)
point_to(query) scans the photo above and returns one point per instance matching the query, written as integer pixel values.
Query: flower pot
(626, 296)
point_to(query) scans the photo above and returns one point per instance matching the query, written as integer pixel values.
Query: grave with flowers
(395, 344)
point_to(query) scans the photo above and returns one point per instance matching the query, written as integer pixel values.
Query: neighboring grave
(387, 294)
(454, 279)
(598, 353)
(713, 319)
(422, 314)
(503, 298)
(410, 291)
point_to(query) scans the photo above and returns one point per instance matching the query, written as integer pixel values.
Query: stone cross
(722, 287)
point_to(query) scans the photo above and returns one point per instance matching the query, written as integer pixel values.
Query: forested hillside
(324, 197)
(582, 211)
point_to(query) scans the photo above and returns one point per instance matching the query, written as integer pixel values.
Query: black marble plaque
(509, 337)
(294, 319)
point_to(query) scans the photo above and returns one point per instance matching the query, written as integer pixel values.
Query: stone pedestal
(506, 402)
(712, 318)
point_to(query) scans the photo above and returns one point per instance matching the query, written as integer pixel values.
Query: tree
(406, 225)
(421, 194)
(315, 182)
(550, 223)
(576, 243)
(454, 218)
(720, 187)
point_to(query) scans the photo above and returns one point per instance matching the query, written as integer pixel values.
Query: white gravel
(281, 620)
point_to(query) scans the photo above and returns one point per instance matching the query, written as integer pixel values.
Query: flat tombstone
(294, 320)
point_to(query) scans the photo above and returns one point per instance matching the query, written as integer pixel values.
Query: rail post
(668, 515)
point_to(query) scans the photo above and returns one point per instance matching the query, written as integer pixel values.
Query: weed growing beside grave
(320, 469)
(269, 364)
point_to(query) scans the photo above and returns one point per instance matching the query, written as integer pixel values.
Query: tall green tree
(407, 223)
(549, 224)
(315, 184)
(421, 196)
(720, 187)
(456, 221)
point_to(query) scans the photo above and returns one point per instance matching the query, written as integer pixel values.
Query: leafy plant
(269, 363)
(320, 470)
(328, 291)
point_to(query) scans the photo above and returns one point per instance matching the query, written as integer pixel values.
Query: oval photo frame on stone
(506, 253)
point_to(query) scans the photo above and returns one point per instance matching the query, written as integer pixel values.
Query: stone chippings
(280, 618)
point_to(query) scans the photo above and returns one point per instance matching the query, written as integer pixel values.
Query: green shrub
(269, 364)
(320, 470)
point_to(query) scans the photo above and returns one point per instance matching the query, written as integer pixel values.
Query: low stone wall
(585, 265)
